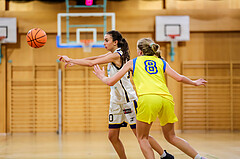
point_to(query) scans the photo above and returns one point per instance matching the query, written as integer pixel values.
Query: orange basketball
(36, 38)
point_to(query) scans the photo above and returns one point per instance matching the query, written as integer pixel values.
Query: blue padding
(98, 46)
(75, 46)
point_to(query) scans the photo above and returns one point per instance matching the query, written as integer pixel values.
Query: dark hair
(122, 43)
(149, 47)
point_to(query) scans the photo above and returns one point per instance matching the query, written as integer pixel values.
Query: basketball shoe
(168, 156)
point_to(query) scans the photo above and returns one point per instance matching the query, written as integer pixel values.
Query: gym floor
(96, 145)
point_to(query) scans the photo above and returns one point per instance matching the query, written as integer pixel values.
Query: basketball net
(173, 45)
(174, 42)
(87, 45)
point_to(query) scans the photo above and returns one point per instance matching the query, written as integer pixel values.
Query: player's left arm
(181, 78)
(100, 73)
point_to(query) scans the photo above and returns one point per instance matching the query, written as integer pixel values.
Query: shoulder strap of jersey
(120, 54)
(119, 51)
(164, 64)
(134, 63)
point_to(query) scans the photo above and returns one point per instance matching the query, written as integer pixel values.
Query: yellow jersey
(148, 76)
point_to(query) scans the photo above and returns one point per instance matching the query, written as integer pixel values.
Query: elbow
(90, 64)
(110, 83)
(179, 79)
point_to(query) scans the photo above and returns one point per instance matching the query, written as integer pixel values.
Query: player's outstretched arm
(96, 57)
(109, 57)
(181, 78)
(100, 73)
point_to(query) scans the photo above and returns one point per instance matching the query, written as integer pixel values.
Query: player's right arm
(107, 58)
(66, 59)
(96, 57)
(181, 78)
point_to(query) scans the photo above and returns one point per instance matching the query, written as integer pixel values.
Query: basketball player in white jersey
(123, 97)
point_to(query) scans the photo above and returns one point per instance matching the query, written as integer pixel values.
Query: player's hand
(69, 64)
(64, 58)
(200, 82)
(98, 72)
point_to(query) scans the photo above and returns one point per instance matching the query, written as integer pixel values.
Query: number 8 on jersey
(150, 67)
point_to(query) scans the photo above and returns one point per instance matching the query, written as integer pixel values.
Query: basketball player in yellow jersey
(154, 98)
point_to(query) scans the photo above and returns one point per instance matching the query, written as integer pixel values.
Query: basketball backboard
(172, 25)
(78, 27)
(172, 29)
(8, 29)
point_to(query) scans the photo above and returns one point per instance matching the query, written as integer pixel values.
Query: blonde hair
(149, 47)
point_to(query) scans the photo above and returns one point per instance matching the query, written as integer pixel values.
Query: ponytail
(123, 44)
(149, 48)
(155, 48)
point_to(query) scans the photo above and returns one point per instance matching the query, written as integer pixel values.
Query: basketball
(36, 38)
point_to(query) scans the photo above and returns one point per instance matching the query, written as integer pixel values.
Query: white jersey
(122, 92)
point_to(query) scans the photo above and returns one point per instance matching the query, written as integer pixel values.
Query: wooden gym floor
(96, 145)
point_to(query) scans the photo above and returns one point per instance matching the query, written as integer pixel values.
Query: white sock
(197, 157)
(164, 154)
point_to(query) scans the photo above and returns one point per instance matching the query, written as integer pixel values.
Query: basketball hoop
(173, 44)
(87, 45)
